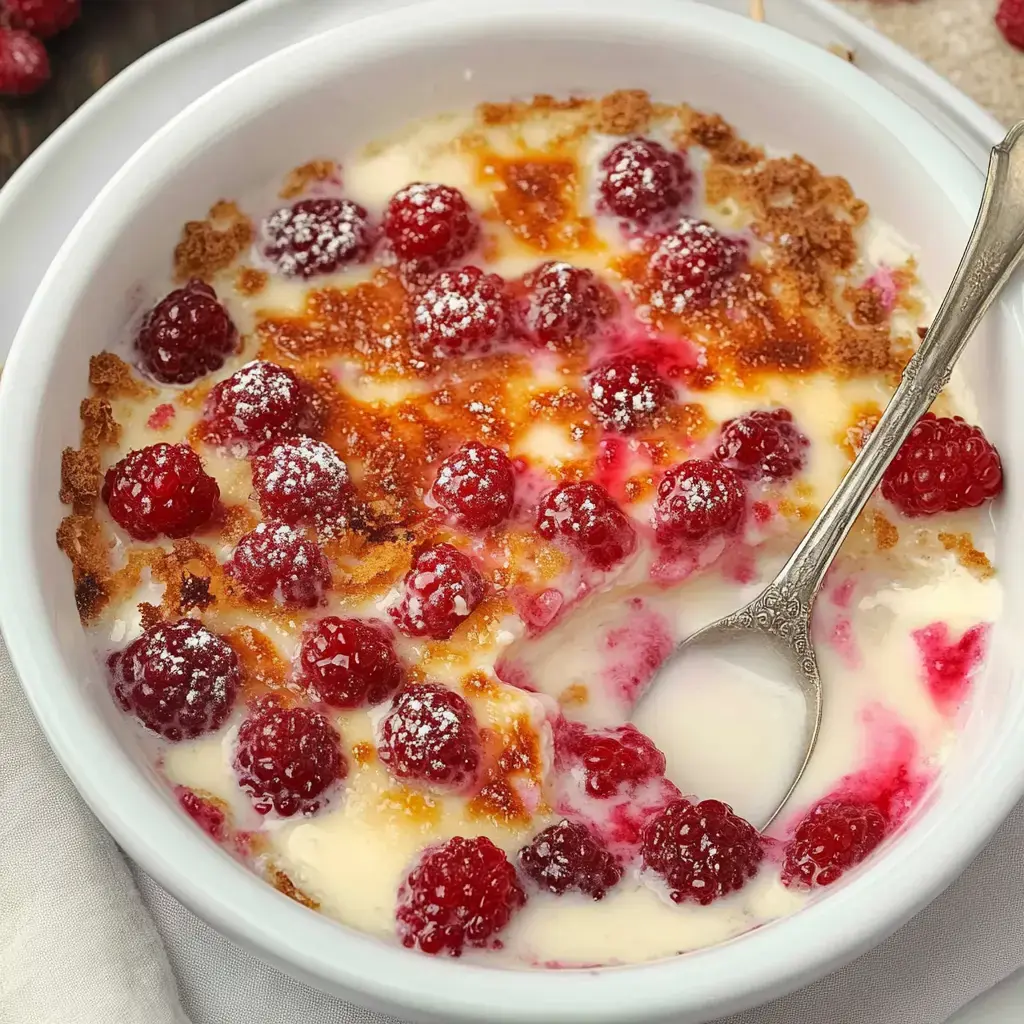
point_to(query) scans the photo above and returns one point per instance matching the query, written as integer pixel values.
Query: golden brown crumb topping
(299, 179)
(282, 883)
(886, 534)
(975, 561)
(249, 281)
(263, 669)
(111, 377)
(210, 245)
(624, 112)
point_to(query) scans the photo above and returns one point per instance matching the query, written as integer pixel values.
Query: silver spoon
(779, 618)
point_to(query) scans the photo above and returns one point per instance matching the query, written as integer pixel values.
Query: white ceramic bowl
(357, 83)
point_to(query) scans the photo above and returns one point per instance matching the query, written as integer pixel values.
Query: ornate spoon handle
(993, 253)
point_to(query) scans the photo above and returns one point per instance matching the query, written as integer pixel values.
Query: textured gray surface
(959, 39)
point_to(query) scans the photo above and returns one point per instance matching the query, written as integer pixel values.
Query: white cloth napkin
(87, 938)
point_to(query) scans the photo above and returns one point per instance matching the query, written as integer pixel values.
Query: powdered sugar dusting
(301, 480)
(316, 236)
(461, 312)
(692, 265)
(260, 402)
(628, 395)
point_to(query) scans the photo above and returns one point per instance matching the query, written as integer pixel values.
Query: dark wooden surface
(109, 36)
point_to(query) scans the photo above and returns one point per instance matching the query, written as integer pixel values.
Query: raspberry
(178, 679)
(585, 517)
(162, 489)
(568, 856)
(943, 466)
(430, 734)
(1010, 21)
(24, 64)
(276, 562)
(833, 837)
(440, 592)
(300, 480)
(462, 312)
(698, 500)
(692, 265)
(643, 181)
(628, 395)
(187, 334)
(260, 402)
(563, 302)
(316, 236)
(43, 18)
(610, 761)
(476, 485)
(429, 226)
(702, 851)
(287, 759)
(348, 663)
(461, 893)
(763, 445)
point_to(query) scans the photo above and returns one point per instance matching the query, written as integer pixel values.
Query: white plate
(41, 202)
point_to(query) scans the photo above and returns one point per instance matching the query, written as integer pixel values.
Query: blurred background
(106, 37)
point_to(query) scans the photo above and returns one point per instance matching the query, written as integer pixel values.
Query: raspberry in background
(259, 402)
(692, 265)
(301, 480)
(835, 836)
(276, 562)
(643, 181)
(1010, 21)
(697, 501)
(24, 64)
(762, 445)
(560, 303)
(462, 312)
(316, 236)
(43, 18)
(287, 759)
(461, 893)
(628, 395)
(160, 489)
(178, 679)
(609, 761)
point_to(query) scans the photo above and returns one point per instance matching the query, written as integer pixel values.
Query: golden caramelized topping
(537, 200)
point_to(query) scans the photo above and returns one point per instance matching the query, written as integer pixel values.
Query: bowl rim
(717, 979)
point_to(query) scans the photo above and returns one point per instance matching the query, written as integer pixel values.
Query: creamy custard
(818, 319)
